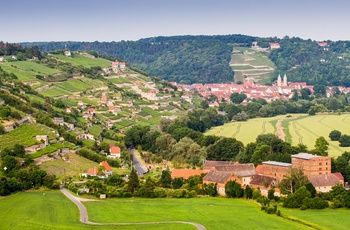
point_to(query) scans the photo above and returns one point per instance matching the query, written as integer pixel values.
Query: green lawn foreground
(213, 213)
(321, 219)
(52, 210)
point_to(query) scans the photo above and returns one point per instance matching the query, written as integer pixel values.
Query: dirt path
(84, 215)
(280, 133)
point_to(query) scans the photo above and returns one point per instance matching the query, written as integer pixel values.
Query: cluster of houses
(266, 175)
(114, 153)
(101, 172)
(281, 90)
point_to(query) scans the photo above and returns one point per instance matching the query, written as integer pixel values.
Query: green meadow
(213, 213)
(320, 219)
(27, 70)
(52, 210)
(301, 129)
(77, 59)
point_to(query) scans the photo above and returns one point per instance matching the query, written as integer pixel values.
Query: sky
(116, 20)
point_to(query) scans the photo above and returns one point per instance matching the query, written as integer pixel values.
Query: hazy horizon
(108, 20)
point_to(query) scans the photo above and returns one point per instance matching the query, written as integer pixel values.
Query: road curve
(84, 216)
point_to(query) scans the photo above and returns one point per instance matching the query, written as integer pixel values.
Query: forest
(204, 59)
(185, 59)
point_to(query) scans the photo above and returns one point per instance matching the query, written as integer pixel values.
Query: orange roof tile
(106, 165)
(185, 173)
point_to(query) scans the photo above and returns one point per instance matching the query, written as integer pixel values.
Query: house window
(326, 163)
(320, 163)
(320, 169)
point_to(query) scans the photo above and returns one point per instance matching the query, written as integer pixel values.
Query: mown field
(25, 135)
(213, 213)
(301, 129)
(52, 210)
(321, 219)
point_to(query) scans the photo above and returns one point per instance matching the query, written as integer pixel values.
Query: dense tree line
(185, 59)
(305, 60)
(21, 52)
(22, 174)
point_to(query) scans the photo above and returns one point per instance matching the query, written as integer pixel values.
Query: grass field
(84, 61)
(303, 129)
(25, 135)
(27, 70)
(245, 131)
(52, 210)
(307, 129)
(213, 213)
(321, 219)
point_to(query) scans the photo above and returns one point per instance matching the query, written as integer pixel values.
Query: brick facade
(312, 164)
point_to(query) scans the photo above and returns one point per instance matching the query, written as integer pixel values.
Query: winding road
(84, 215)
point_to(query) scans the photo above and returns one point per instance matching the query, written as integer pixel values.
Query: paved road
(82, 209)
(84, 216)
(140, 168)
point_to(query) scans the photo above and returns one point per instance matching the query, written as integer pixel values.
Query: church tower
(285, 82)
(279, 80)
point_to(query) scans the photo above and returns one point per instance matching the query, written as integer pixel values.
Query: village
(266, 175)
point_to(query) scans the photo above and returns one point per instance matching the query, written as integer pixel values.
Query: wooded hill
(185, 59)
(205, 59)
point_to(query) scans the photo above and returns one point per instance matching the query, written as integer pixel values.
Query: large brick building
(274, 169)
(312, 164)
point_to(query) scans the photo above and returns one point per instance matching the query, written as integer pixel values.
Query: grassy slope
(24, 135)
(85, 61)
(34, 210)
(213, 213)
(251, 62)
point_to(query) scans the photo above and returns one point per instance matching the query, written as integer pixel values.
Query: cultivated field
(301, 129)
(306, 130)
(27, 70)
(246, 131)
(251, 63)
(25, 135)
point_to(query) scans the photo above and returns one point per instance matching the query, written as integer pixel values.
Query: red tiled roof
(338, 174)
(114, 150)
(185, 173)
(106, 165)
(259, 169)
(92, 171)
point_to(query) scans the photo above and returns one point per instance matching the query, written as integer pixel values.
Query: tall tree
(294, 179)
(321, 146)
(165, 180)
(133, 183)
